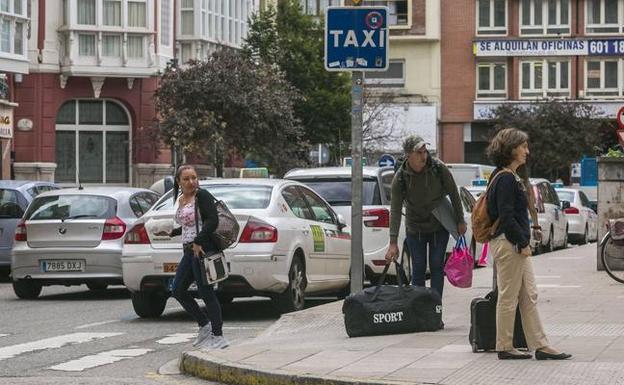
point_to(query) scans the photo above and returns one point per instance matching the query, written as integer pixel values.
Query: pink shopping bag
(459, 266)
(483, 261)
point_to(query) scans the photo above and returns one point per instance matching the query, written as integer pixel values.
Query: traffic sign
(356, 39)
(386, 160)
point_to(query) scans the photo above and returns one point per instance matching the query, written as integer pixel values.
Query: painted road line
(4, 335)
(51, 343)
(546, 285)
(103, 358)
(96, 324)
(177, 338)
(547, 276)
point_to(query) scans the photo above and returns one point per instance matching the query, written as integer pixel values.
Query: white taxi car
(550, 215)
(291, 244)
(582, 219)
(334, 184)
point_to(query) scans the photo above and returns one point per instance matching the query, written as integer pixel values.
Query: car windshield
(235, 196)
(67, 207)
(337, 191)
(9, 206)
(566, 196)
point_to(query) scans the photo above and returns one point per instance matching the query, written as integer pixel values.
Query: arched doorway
(92, 142)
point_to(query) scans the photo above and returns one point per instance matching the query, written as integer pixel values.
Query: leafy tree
(294, 42)
(231, 103)
(560, 133)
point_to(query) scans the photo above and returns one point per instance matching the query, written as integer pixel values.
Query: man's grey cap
(413, 143)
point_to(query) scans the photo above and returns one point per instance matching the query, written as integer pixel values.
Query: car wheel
(148, 304)
(97, 286)
(565, 239)
(585, 235)
(25, 289)
(293, 298)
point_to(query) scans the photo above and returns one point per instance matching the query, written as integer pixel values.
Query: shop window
(96, 150)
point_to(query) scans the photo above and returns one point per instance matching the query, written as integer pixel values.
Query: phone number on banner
(606, 47)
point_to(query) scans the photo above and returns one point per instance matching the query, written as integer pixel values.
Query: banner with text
(549, 47)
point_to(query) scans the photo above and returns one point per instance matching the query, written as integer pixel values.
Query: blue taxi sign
(479, 182)
(356, 39)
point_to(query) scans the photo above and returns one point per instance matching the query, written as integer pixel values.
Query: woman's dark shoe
(540, 355)
(514, 355)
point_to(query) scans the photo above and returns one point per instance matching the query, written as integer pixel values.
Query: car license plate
(62, 265)
(169, 267)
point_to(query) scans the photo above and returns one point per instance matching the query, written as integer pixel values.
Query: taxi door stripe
(7, 352)
(100, 359)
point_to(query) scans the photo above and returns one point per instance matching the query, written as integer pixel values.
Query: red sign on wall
(620, 118)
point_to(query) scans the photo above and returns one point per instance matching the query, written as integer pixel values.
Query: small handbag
(214, 268)
(459, 266)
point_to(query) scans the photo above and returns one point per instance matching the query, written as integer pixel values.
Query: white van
(465, 173)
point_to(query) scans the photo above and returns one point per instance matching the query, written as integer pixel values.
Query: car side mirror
(342, 223)
(565, 205)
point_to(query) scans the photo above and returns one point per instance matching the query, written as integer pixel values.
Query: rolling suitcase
(482, 334)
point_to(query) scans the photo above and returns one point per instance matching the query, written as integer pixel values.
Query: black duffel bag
(385, 309)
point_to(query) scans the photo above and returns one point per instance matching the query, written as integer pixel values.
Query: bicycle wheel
(613, 258)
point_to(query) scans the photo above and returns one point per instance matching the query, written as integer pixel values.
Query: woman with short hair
(508, 201)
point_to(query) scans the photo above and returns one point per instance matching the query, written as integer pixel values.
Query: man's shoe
(513, 355)
(540, 355)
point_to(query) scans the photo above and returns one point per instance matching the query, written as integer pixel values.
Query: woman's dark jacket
(507, 200)
(205, 202)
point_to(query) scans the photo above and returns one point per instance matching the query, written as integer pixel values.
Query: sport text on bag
(483, 228)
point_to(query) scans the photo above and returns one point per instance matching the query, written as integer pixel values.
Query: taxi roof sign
(255, 172)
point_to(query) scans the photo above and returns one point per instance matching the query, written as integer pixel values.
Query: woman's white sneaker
(215, 343)
(203, 333)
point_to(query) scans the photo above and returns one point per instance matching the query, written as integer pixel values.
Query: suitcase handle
(382, 278)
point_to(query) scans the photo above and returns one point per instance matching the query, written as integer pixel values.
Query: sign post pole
(357, 251)
(356, 40)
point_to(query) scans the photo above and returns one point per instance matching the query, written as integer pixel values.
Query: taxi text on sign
(356, 39)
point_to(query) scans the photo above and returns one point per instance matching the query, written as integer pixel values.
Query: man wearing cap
(421, 183)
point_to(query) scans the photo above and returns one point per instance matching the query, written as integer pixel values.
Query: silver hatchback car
(75, 236)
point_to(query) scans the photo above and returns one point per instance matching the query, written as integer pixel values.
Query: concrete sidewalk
(582, 309)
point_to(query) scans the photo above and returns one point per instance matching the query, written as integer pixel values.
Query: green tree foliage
(560, 133)
(294, 42)
(231, 103)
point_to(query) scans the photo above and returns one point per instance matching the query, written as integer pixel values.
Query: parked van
(465, 173)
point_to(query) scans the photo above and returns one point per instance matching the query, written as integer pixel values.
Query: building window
(393, 77)
(603, 16)
(602, 77)
(111, 45)
(4, 6)
(92, 142)
(398, 12)
(165, 22)
(18, 41)
(318, 7)
(112, 13)
(86, 12)
(491, 80)
(545, 17)
(187, 17)
(135, 46)
(136, 14)
(5, 36)
(491, 17)
(18, 7)
(186, 53)
(86, 45)
(544, 78)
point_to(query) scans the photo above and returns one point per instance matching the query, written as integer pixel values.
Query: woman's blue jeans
(187, 272)
(417, 245)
